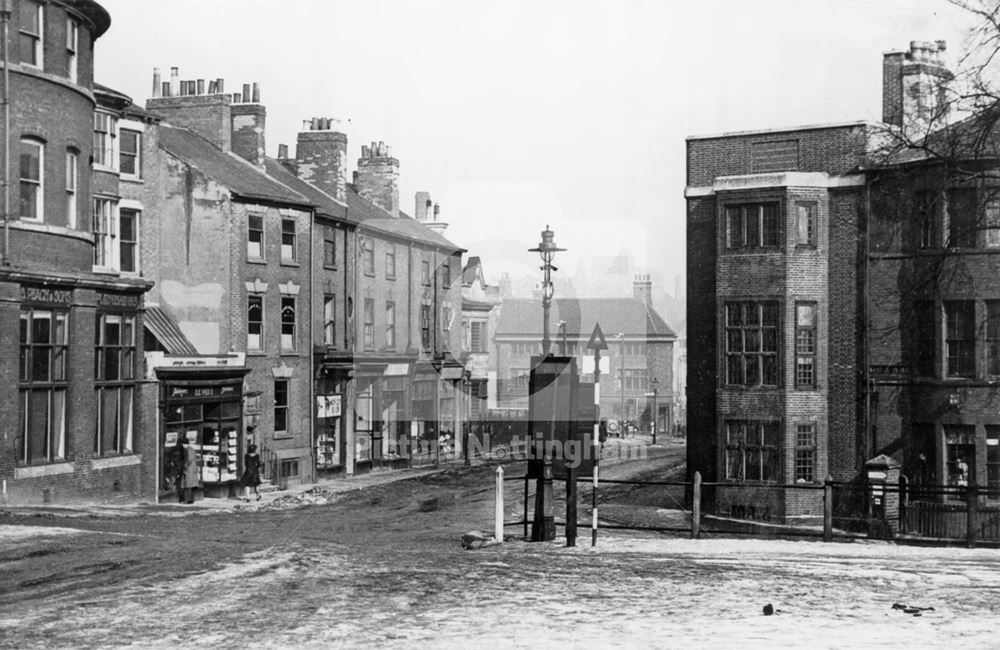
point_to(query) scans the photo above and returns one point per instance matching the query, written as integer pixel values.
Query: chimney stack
(321, 156)
(249, 121)
(207, 115)
(913, 85)
(642, 288)
(378, 177)
(422, 206)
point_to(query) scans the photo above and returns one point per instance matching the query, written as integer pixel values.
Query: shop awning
(167, 333)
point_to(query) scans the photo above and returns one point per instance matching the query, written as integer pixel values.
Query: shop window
(329, 247)
(993, 460)
(805, 345)
(752, 344)
(962, 218)
(751, 450)
(280, 407)
(287, 323)
(752, 226)
(130, 153)
(128, 241)
(32, 177)
(806, 224)
(115, 375)
(960, 338)
(72, 176)
(369, 324)
(805, 453)
(42, 384)
(288, 240)
(960, 447)
(390, 261)
(390, 325)
(30, 30)
(368, 256)
(105, 132)
(72, 48)
(255, 322)
(255, 237)
(329, 325)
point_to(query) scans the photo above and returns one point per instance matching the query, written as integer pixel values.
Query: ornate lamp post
(547, 250)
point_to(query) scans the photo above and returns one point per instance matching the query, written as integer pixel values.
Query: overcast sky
(520, 113)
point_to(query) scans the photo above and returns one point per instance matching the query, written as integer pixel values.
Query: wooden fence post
(696, 506)
(828, 509)
(498, 511)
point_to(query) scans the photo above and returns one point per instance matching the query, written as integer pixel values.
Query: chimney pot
(157, 84)
(246, 93)
(220, 86)
(315, 124)
(255, 93)
(306, 125)
(165, 89)
(282, 152)
(201, 87)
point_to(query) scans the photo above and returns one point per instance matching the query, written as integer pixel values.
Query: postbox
(883, 492)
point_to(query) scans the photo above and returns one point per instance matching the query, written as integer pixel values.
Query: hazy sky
(520, 113)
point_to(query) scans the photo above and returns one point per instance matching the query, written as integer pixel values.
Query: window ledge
(256, 353)
(256, 260)
(38, 471)
(124, 460)
(138, 180)
(289, 263)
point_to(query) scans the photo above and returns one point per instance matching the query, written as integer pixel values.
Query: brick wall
(702, 345)
(210, 116)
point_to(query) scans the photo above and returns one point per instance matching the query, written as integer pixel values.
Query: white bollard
(498, 514)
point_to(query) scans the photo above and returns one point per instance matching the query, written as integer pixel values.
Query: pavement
(169, 507)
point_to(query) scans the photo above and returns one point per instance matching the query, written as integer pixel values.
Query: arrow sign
(597, 341)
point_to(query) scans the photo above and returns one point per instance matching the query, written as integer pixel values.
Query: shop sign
(118, 300)
(45, 294)
(328, 406)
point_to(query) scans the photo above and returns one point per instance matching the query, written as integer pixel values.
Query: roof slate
(226, 168)
(630, 316)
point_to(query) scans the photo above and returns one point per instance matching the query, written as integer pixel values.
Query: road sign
(597, 341)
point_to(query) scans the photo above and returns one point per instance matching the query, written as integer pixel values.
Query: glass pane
(109, 419)
(41, 363)
(128, 331)
(58, 428)
(38, 424)
(41, 327)
(112, 330)
(125, 421)
(112, 359)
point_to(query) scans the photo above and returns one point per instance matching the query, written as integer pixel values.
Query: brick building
(843, 315)
(640, 351)
(480, 309)
(76, 409)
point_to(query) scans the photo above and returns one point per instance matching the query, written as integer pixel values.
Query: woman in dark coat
(251, 471)
(176, 468)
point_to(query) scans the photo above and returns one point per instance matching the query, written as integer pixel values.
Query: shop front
(201, 408)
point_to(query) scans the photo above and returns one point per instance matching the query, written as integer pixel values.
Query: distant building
(480, 308)
(643, 353)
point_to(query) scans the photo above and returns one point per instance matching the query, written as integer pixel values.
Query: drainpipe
(5, 11)
(868, 440)
(309, 349)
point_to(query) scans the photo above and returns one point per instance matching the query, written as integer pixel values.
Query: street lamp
(655, 383)
(547, 250)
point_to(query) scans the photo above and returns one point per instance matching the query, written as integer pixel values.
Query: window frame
(289, 241)
(390, 325)
(745, 231)
(136, 216)
(425, 272)
(805, 453)
(72, 185)
(368, 256)
(288, 326)
(135, 157)
(806, 340)
(72, 48)
(105, 141)
(38, 38)
(962, 217)
(54, 384)
(811, 224)
(425, 327)
(477, 336)
(122, 352)
(104, 228)
(749, 447)
(329, 247)
(329, 320)
(446, 273)
(960, 346)
(992, 336)
(390, 261)
(258, 220)
(927, 219)
(38, 183)
(752, 363)
(260, 300)
(368, 316)
(281, 406)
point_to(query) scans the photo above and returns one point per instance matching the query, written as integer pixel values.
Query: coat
(192, 469)
(251, 470)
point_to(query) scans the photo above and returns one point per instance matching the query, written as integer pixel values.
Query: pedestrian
(192, 471)
(251, 472)
(176, 465)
